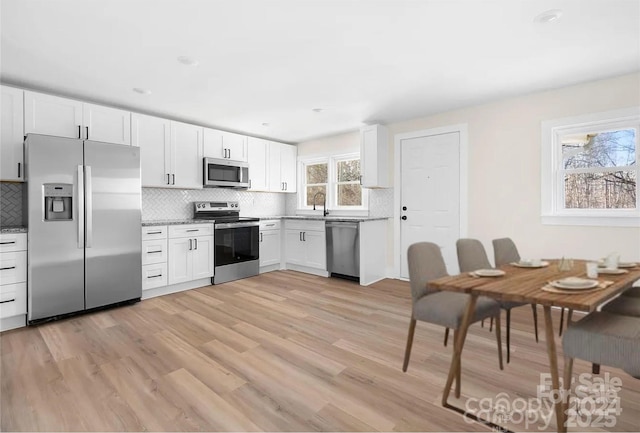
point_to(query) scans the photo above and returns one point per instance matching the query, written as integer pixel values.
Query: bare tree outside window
(316, 181)
(600, 170)
(349, 188)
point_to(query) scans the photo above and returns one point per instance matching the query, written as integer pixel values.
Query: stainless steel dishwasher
(343, 249)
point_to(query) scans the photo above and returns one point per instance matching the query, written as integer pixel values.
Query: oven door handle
(236, 225)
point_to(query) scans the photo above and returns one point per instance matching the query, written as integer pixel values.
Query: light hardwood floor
(283, 351)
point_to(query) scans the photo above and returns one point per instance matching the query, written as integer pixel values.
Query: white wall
(504, 168)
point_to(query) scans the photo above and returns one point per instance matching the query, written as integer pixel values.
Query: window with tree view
(600, 170)
(316, 179)
(349, 190)
(334, 180)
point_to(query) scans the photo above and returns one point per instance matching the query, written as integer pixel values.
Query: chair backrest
(425, 263)
(471, 255)
(505, 251)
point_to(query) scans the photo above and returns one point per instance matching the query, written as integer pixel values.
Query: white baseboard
(174, 288)
(305, 269)
(14, 322)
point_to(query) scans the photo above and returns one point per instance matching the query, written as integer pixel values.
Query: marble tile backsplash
(11, 204)
(161, 203)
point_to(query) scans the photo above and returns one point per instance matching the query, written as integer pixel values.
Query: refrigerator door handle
(89, 206)
(80, 207)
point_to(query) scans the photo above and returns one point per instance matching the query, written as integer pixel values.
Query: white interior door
(430, 195)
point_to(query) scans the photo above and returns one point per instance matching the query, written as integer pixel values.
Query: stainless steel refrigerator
(84, 218)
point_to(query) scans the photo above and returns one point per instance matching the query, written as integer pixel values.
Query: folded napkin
(602, 284)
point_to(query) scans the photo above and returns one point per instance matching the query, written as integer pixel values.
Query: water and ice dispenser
(58, 202)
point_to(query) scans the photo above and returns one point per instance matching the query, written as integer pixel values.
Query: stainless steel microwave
(222, 173)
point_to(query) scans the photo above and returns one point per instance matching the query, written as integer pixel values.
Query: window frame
(553, 209)
(332, 183)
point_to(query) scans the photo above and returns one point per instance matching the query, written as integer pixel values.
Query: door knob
(404, 217)
(404, 208)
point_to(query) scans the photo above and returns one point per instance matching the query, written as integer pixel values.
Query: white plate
(489, 273)
(627, 265)
(529, 264)
(612, 271)
(574, 285)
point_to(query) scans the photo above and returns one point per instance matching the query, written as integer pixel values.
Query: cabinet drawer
(190, 230)
(154, 276)
(154, 232)
(13, 300)
(270, 225)
(154, 251)
(304, 225)
(13, 267)
(13, 242)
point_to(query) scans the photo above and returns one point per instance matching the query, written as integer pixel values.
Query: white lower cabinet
(154, 276)
(270, 245)
(154, 257)
(190, 252)
(305, 245)
(13, 280)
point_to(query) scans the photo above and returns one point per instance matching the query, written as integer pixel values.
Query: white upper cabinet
(153, 136)
(186, 156)
(62, 117)
(106, 124)
(374, 147)
(257, 152)
(12, 134)
(224, 145)
(52, 115)
(282, 167)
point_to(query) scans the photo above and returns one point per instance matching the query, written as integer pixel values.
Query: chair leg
(482, 323)
(595, 368)
(569, 314)
(566, 380)
(491, 325)
(508, 336)
(456, 334)
(561, 322)
(534, 307)
(446, 336)
(499, 341)
(407, 352)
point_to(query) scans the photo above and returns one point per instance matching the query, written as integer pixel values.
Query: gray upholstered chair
(440, 308)
(624, 305)
(504, 252)
(603, 338)
(633, 291)
(471, 257)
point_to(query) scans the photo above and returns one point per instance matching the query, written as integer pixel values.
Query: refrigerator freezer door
(113, 209)
(56, 253)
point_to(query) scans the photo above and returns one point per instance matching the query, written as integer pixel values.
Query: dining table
(525, 284)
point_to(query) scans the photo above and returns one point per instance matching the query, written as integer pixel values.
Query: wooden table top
(525, 285)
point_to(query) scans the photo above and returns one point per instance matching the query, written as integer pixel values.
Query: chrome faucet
(325, 212)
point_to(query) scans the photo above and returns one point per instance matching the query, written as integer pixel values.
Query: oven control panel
(208, 206)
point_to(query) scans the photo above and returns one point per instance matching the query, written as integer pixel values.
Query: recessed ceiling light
(265, 124)
(142, 91)
(188, 61)
(548, 16)
(316, 110)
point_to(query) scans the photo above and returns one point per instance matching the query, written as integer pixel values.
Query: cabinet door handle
(269, 225)
(173, 178)
(154, 252)
(154, 276)
(7, 268)
(249, 183)
(190, 244)
(154, 233)
(8, 300)
(79, 131)
(19, 169)
(304, 236)
(193, 230)
(7, 243)
(168, 179)
(260, 237)
(87, 132)
(195, 241)
(300, 233)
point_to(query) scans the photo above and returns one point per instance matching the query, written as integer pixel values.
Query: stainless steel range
(237, 246)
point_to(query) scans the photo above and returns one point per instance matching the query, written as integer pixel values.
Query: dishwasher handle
(345, 224)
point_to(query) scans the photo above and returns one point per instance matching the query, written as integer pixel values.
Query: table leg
(458, 345)
(553, 363)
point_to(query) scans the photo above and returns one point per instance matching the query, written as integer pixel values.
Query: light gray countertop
(146, 223)
(13, 229)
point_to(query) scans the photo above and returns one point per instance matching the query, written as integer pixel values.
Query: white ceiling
(362, 61)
